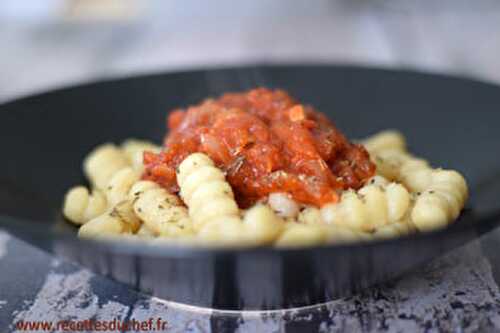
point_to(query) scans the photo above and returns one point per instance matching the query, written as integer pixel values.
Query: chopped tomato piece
(296, 113)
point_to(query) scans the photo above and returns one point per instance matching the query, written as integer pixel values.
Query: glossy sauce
(266, 142)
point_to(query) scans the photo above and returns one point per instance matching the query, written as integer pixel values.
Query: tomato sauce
(266, 142)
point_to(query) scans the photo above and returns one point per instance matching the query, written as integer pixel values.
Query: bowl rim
(133, 247)
(399, 69)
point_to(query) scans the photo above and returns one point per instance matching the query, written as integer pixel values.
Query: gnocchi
(134, 149)
(102, 163)
(205, 191)
(120, 220)
(81, 206)
(370, 208)
(405, 196)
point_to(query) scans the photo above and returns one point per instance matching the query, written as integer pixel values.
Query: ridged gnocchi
(81, 206)
(441, 201)
(119, 220)
(102, 163)
(134, 149)
(205, 191)
(385, 140)
(405, 196)
(120, 184)
(369, 208)
(298, 234)
(160, 211)
(262, 225)
(439, 195)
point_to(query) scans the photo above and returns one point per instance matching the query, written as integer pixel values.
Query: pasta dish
(260, 168)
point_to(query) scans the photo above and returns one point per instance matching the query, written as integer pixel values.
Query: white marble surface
(456, 293)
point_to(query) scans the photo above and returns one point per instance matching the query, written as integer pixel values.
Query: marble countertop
(456, 293)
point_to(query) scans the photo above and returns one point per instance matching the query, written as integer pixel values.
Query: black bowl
(452, 122)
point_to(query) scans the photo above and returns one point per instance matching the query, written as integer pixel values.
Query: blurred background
(51, 43)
